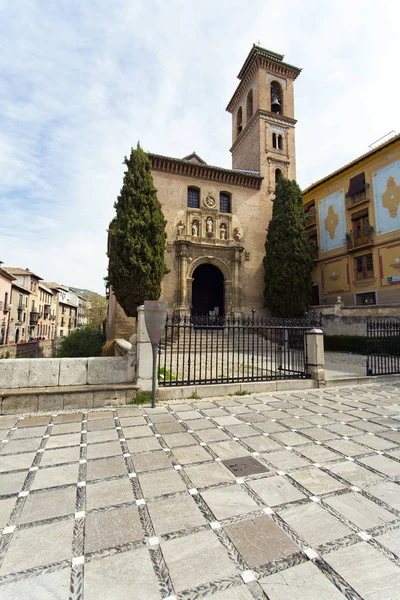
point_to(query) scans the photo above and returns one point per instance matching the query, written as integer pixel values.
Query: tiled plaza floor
(139, 503)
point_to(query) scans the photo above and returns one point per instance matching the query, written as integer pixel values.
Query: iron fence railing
(383, 346)
(199, 350)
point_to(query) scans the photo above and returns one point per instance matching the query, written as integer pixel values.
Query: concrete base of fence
(28, 400)
(144, 354)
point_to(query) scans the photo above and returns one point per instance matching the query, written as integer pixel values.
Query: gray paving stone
(74, 427)
(174, 427)
(270, 427)
(59, 441)
(209, 474)
(17, 446)
(132, 421)
(48, 586)
(162, 482)
(368, 571)
(104, 449)
(121, 576)
(34, 421)
(107, 467)
(189, 414)
(150, 461)
(6, 507)
(318, 454)
(174, 440)
(228, 449)
(316, 481)
(237, 593)
(384, 465)
(229, 501)
(199, 424)
(242, 431)
(191, 454)
(68, 418)
(27, 432)
(55, 476)
(167, 418)
(48, 505)
(104, 435)
(319, 434)
(286, 460)
(354, 474)
(391, 540)
(260, 541)
(108, 493)
(58, 456)
(11, 483)
(143, 445)
(129, 411)
(290, 438)
(302, 582)
(348, 430)
(315, 524)
(227, 421)
(52, 543)
(98, 415)
(16, 462)
(360, 511)
(261, 443)
(215, 412)
(212, 435)
(174, 514)
(347, 447)
(111, 528)
(387, 491)
(197, 559)
(139, 431)
(275, 490)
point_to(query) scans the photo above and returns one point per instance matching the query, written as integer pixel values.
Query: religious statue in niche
(222, 233)
(180, 227)
(195, 228)
(210, 201)
(209, 225)
(236, 234)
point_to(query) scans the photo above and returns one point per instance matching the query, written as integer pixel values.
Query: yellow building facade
(353, 222)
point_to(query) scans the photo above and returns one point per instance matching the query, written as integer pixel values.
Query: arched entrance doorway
(208, 291)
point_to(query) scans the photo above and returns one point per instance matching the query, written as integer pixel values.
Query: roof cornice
(177, 166)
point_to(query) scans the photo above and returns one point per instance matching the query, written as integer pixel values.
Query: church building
(217, 218)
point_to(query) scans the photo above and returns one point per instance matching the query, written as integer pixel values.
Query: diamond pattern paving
(139, 502)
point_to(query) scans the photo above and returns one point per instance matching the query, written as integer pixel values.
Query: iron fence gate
(205, 350)
(383, 347)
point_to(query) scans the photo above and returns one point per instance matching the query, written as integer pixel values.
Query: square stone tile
(181, 406)
(143, 444)
(384, 465)
(189, 414)
(174, 440)
(347, 447)
(25, 445)
(173, 427)
(132, 421)
(375, 442)
(372, 427)
(118, 575)
(66, 439)
(16, 462)
(318, 454)
(104, 450)
(387, 491)
(240, 592)
(200, 424)
(276, 490)
(316, 481)
(360, 511)
(229, 501)
(148, 410)
(55, 476)
(74, 427)
(109, 493)
(48, 586)
(6, 507)
(286, 460)
(368, 571)
(52, 543)
(204, 405)
(68, 418)
(319, 434)
(260, 541)
(29, 432)
(197, 559)
(60, 456)
(151, 461)
(261, 443)
(48, 505)
(390, 540)
(163, 418)
(206, 475)
(139, 431)
(163, 482)
(238, 410)
(341, 429)
(8, 422)
(212, 435)
(107, 467)
(290, 438)
(191, 454)
(97, 415)
(302, 582)
(271, 427)
(11, 483)
(215, 412)
(255, 418)
(242, 431)
(102, 435)
(314, 524)
(34, 421)
(354, 474)
(111, 528)
(228, 449)
(394, 436)
(175, 514)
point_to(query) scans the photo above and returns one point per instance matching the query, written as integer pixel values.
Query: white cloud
(81, 82)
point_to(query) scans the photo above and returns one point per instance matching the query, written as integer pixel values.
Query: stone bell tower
(263, 123)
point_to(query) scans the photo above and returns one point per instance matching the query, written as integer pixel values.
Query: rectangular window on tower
(193, 199)
(225, 202)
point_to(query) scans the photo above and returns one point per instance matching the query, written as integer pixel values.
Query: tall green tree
(136, 237)
(288, 261)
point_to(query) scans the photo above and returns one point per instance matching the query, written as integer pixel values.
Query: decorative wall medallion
(331, 222)
(334, 276)
(210, 201)
(391, 197)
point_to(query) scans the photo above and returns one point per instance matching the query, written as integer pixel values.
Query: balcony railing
(46, 311)
(358, 239)
(33, 317)
(356, 199)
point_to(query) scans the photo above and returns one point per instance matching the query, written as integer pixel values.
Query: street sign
(394, 278)
(155, 315)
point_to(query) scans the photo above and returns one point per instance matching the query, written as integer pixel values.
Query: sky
(82, 81)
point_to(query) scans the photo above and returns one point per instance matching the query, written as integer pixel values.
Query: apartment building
(5, 300)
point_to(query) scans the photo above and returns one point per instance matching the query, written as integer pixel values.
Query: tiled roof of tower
(19, 271)
(259, 51)
(194, 158)
(181, 166)
(362, 157)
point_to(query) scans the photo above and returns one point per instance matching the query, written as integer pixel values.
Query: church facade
(217, 218)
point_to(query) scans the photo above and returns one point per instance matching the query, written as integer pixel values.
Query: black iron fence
(204, 350)
(383, 346)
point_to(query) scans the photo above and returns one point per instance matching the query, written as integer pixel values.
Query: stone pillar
(315, 354)
(338, 305)
(144, 354)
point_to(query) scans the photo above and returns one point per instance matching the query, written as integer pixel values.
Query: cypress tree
(136, 237)
(288, 261)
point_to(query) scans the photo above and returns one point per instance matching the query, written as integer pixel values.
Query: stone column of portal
(183, 279)
(235, 283)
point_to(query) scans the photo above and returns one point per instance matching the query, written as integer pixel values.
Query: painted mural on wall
(386, 184)
(332, 221)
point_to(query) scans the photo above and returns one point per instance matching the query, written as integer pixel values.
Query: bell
(275, 105)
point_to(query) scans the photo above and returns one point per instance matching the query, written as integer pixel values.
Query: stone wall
(54, 372)
(41, 349)
(338, 319)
